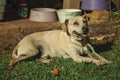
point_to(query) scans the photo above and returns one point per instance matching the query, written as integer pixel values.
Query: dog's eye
(84, 21)
(76, 23)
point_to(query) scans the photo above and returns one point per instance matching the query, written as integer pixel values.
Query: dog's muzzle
(85, 30)
(84, 34)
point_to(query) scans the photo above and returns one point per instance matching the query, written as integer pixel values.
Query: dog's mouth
(80, 34)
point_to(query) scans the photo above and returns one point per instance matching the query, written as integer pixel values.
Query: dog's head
(76, 26)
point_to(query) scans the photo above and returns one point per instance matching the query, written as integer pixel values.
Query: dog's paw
(106, 62)
(99, 63)
(109, 62)
(46, 60)
(103, 62)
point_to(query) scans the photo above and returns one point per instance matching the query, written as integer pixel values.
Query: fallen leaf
(100, 38)
(55, 72)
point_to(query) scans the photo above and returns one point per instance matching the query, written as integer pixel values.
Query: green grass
(69, 70)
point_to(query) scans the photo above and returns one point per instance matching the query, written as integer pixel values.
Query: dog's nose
(85, 30)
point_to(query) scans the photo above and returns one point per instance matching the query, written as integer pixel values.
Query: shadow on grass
(103, 47)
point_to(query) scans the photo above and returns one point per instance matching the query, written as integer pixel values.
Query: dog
(70, 42)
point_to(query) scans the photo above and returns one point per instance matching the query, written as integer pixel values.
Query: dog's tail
(13, 59)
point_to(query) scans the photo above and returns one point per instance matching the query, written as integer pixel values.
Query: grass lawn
(68, 69)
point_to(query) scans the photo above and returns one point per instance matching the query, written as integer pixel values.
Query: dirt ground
(13, 31)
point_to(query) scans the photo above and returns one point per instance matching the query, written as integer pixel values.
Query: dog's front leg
(77, 58)
(80, 59)
(98, 57)
(91, 53)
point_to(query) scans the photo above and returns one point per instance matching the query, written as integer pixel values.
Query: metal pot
(94, 5)
(64, 14)
(43, 15)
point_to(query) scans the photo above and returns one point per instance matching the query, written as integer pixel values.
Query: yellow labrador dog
(71, 42)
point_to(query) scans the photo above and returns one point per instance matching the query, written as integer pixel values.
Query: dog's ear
(65, 25)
